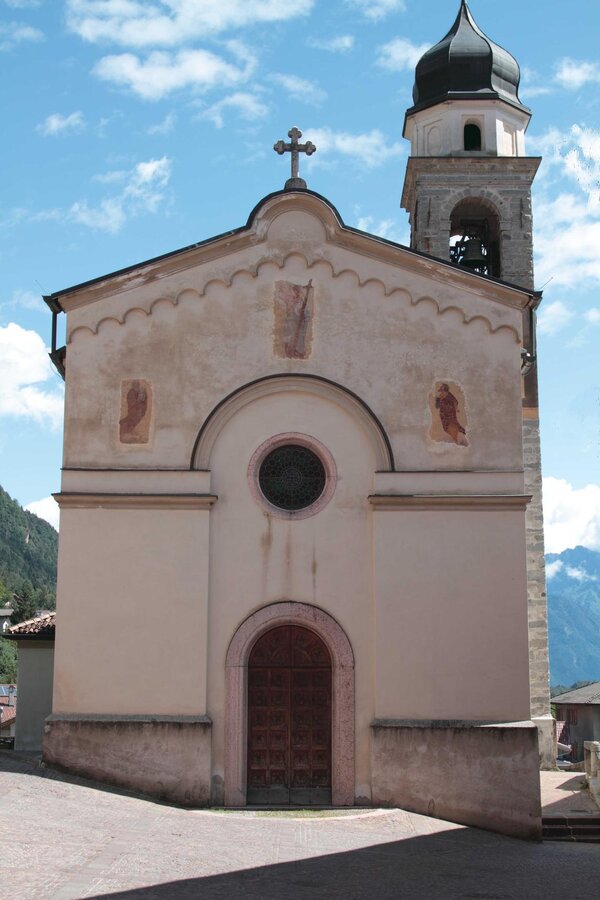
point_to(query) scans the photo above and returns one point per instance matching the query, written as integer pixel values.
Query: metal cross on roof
(294, 148)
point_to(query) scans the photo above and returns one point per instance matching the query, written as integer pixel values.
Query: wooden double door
(289, 719)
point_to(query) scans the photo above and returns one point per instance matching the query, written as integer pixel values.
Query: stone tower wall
(433, 187)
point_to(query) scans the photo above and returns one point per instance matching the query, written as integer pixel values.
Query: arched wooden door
(289, 719)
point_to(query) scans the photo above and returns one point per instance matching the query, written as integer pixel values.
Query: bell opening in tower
(474, 238)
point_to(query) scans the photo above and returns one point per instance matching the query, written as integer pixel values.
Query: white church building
(300, 552)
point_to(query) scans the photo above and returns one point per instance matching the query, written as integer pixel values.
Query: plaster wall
(483, 776)
(451, 615)
(439, 130)
(385, 331)
(168, 759)
(121, 572)
(36, 672)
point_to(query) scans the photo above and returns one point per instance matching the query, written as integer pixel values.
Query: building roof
(466, 65)
(8, 714)
(589, 694)
(41, 627)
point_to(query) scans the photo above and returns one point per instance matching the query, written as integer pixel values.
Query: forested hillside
(28, 550)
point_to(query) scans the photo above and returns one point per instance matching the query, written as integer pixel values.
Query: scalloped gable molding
(280, 265)
(329, 230)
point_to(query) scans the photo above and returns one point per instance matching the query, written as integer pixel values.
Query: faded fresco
(448, 414)
(136, 412)
(294, 308)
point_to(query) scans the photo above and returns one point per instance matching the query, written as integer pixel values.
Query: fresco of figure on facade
(135, 403)
(447, 405)
(293, 320)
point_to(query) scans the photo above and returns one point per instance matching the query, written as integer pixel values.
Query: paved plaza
(63, 838)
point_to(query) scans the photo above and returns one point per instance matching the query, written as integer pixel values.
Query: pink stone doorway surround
(236, 693)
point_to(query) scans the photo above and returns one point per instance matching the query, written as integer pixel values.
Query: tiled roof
(42, 626)
(8, 714)
(588, 694)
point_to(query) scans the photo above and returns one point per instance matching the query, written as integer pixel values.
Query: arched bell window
(472, 137)
(475, 237)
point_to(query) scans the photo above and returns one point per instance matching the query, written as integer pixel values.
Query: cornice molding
(498, 293)
(466, 502)
(77, 500)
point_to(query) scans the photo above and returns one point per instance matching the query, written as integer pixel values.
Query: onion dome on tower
(466, 65)
(466, 96)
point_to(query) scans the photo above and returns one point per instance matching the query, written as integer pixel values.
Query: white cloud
(567, 235)
(143, 191)
(530, 85)
(300, 89)
(553, 317)
(579, 574)
(167, 23)
(582, 161)
(161, 72)
(112, 177)
(109, 215)
(46, 509)
(13, 33)
(553, 568)
(571, 517)
(248, 106)
(573, 74)
(342, 43)
(371, 149)
(567, 241)
(399, 54)
(592, 316)
(24, 300)
(378, 9)
(59, 124)
(385, 228)
(165, 127)
(24, 366)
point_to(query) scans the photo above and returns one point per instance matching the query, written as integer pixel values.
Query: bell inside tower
(474, 238)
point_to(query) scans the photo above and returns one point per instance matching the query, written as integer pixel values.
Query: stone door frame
(236, 696)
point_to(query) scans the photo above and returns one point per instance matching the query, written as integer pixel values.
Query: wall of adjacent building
(35, 679)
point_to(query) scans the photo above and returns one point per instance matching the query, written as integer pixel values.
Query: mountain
(28, 552)
(574, 615)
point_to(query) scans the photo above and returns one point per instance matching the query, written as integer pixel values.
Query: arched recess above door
(290, 383)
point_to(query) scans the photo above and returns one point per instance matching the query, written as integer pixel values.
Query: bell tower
(467, 191)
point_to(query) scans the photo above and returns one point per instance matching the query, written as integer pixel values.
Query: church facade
(293, 564)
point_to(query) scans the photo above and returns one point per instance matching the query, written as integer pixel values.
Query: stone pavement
(566, 794)
(63, 838)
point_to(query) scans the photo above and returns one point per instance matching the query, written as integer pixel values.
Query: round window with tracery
(292, 475)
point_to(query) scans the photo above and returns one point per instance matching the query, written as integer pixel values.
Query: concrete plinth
(546, 726)
(473, 774)
(167, 758)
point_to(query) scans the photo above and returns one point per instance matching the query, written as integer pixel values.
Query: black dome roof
(466, 65)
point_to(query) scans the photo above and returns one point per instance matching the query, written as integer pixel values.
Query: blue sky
(134, 128)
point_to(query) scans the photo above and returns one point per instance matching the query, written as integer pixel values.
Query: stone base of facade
(484, 775)
(546, 726)
(163, 757)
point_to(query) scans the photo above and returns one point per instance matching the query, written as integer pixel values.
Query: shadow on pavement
(459, 865)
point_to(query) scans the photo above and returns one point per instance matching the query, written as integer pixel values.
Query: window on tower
(472, 137)
(475, 237)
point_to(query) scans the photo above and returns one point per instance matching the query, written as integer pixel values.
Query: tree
(26, 603)
(8, 661)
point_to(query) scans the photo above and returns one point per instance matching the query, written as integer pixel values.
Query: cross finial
(294, 148)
